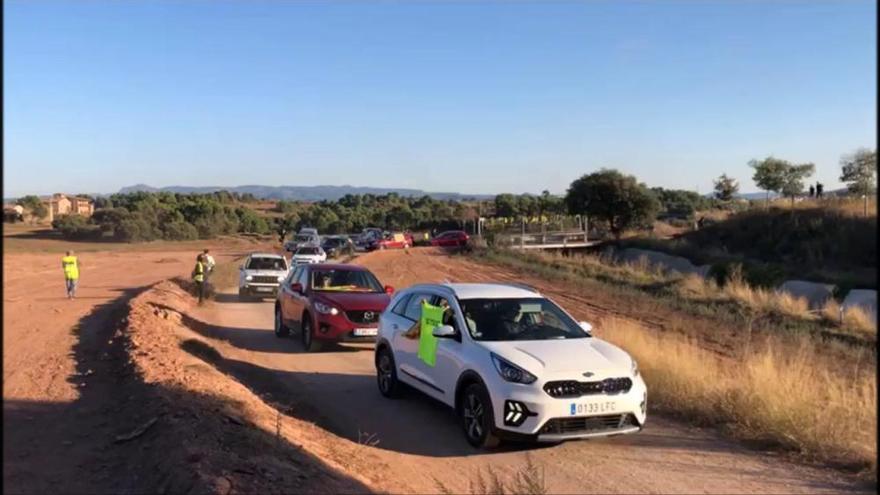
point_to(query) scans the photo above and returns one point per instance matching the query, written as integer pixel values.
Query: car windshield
(518, 319)
(345, 281)
(332, 242)
(307, 251)
(263, 263)
(303, 238)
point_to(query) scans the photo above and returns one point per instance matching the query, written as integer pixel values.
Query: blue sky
(447, 96)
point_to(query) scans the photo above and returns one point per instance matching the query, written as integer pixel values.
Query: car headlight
(511, 372)
(281, 278)
(326, 309)
(249, 278)
(634, 370)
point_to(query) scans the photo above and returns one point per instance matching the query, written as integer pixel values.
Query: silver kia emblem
(369, 315)
(588, 374)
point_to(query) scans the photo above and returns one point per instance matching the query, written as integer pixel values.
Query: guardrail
(548, 240)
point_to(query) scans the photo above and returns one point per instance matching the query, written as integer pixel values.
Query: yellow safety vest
(71, 268)
(199, 273)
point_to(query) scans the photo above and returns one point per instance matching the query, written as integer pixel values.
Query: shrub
(76, 227)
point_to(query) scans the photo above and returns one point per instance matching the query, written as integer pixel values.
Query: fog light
(323, 328)
(515, 413)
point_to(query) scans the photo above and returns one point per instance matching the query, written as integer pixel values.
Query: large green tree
(859, 171)
(779, 176)
(793, 179)
(614, 198)
(726, 188)
(35, 205)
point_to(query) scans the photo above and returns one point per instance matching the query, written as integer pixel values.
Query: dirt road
(62, 402)
(421, 441)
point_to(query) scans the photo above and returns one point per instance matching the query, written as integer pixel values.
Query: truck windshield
(518, 319)
(267, 264)
(307, 251)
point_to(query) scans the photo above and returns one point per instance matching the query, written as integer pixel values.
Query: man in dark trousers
(198, 276)
(812, 191)
(819, 189)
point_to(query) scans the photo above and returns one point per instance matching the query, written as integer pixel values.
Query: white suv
(512, 363)
(260, 275)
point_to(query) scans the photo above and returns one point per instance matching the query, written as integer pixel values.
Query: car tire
(386, 374)
(478, 417)
(281, 330)
(243, 295)
(308, 335)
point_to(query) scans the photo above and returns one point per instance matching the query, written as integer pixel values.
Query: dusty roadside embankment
(213, 433)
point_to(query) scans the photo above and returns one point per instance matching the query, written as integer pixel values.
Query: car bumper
(261, 289)
(527, 412)
(339, 328)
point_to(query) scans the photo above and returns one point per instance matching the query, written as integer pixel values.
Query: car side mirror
(586, 327)
(296, 287)
(444, 332)
(389, 289)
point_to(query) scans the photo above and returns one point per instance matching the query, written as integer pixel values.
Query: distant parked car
(392, 241)
(330, 302)
(300, 240)
(260, 275)
(367, 236)
(451, 238)
(334, 246)
(308, 254)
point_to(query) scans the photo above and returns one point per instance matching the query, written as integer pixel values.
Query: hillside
(820, 243)
(304, 193)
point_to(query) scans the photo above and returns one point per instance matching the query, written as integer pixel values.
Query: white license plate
(264, 289)
(589, 408)
(365, 332)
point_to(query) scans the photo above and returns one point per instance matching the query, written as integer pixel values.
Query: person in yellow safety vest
(198, 276)
(71, 273)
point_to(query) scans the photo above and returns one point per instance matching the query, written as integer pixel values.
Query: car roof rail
(520, 285)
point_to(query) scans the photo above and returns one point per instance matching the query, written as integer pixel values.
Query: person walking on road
(198, 276)
(71, 273)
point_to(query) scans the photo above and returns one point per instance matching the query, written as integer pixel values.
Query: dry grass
(691, 288)
(528, 480)
(771, 395)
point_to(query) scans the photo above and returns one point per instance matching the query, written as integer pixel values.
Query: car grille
(571, 388)
(265, 279)
(588, 424)
(364, 317)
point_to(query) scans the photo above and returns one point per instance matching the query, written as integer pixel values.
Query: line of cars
(509, 361)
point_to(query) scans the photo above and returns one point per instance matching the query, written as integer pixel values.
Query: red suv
(451, 238)
(330, 302)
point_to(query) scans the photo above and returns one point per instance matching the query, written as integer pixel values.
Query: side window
(400, 307)
(413, 309)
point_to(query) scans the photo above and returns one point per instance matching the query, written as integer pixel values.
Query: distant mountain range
(306, 193)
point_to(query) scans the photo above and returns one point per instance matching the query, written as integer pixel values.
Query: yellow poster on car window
(432, 316)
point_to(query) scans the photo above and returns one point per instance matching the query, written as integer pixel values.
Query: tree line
(147, 216)
(617, 201)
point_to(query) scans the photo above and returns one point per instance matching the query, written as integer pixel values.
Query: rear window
(262, 263)
(307, 250)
